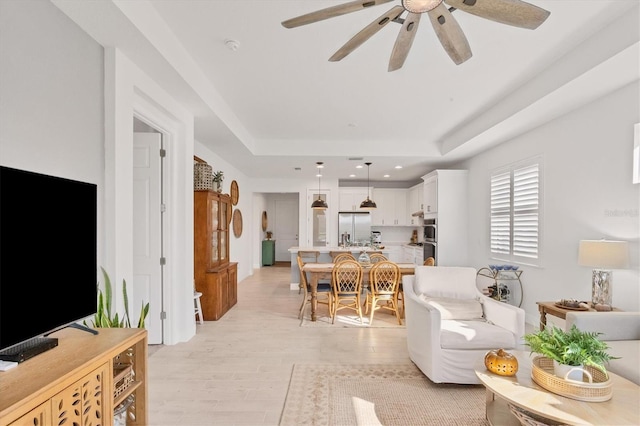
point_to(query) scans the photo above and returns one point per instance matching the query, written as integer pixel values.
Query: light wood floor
(236, 370)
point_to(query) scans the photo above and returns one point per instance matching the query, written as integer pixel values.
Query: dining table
(319, 271)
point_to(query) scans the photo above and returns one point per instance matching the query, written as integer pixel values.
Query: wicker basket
(599, 390)
(529, 419)
(202, 176)
(122, 378)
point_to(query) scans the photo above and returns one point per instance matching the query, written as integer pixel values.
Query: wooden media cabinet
(79, 382)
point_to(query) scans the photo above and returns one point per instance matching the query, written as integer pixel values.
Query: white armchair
(451, 324)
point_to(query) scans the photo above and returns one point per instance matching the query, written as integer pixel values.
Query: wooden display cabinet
(74, 383)
(215, 277)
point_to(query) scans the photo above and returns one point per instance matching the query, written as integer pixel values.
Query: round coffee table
(523, 393)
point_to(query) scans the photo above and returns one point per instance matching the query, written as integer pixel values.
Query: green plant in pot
(218, 177)
(574, 348)
(103, 317)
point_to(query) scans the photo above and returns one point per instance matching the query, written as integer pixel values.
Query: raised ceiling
(276, 103)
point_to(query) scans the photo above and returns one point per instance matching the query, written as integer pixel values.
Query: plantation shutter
(525, 211)
(501, 213)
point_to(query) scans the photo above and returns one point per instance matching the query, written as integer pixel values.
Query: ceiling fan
(511, 12)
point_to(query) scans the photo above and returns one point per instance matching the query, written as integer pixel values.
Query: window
(516, 195)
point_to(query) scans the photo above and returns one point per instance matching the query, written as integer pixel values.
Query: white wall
(588, 194)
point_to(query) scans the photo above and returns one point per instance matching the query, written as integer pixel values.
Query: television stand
(28, 349)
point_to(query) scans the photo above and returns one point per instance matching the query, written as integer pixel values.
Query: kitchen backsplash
(397, 234)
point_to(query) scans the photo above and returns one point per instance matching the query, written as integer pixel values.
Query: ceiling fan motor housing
(420, 6)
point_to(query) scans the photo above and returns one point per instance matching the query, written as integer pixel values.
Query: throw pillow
(455, 309)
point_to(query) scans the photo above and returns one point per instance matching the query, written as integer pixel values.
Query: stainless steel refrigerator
(357, 225)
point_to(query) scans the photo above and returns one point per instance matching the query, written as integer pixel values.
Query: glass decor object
(603, 255)
(364, 258)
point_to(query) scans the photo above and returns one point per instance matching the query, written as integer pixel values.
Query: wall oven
(430, 245)
(430, 230)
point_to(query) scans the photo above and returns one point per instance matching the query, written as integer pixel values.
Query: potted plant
(103, 318)
(574, 348)
(218, 177)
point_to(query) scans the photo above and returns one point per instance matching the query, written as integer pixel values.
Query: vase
(217, 186)
(575, 372)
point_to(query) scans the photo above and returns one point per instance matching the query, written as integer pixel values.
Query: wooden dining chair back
(307, 256)
(384, 283)
(429, 261)
(346, 280)
(340, 256)
(323, 296)
(377, 257)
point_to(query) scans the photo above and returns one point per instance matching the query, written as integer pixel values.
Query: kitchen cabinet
(430, 189)
(445, 196)
(392, 207)
(412, 254)
(415, 204)
(349, 199)
(395, 254)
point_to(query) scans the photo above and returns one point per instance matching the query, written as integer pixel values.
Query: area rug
(400, 395)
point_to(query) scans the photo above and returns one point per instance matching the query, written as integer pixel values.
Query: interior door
(286, 228)
(147, 233)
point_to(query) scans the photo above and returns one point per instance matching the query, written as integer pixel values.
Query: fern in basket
(575, 347)
(103, 318)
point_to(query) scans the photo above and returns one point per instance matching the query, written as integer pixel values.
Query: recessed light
(359, 166)
(352, 175)
(386, 176)
(319, 175)
(398, 167)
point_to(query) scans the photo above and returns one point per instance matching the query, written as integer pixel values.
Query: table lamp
(603, 255)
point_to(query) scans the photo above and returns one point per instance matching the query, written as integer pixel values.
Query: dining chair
(377, 257)
(346, 280)
(324, 292)
(384, 282)
(429, 261)
(341, 255)
(307, 256)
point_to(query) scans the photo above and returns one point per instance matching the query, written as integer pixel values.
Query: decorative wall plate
(265, 222)
(237, 223)
(235, 193)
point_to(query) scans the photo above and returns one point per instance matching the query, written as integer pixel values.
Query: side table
(525, 394)
(552, 309)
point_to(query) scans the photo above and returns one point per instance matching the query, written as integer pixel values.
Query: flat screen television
(48, 254)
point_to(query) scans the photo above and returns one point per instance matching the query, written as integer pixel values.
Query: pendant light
(368, 203)
(319, 204)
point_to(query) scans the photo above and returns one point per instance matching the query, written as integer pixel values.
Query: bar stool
(198, 306)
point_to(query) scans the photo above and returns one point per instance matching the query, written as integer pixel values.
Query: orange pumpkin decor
(501, 362)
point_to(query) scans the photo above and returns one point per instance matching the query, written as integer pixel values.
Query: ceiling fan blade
(331, 12)
(511, 12)
(366, 33)
(404, 41)
(450, 34)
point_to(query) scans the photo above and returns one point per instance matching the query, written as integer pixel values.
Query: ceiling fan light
(420, 6)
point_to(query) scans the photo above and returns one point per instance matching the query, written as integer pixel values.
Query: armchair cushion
(455, 309)
(469, 335)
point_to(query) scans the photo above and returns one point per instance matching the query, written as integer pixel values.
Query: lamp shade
(604, 254)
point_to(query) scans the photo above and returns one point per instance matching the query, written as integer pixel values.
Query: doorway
(147, 229)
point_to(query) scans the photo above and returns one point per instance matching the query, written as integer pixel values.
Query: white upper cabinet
(431, 194)
(392, 207)
(350, 199)
(415, 197)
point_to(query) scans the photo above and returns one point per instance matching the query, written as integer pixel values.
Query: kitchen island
(324, 257)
